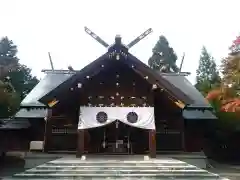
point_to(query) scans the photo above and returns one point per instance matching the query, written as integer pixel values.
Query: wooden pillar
(152, 143)
(80, 143)
(48, 131)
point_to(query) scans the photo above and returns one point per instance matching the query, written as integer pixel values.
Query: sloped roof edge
(181, 82)
(47, 84)
(96, 63)
(198, 114)
(31, 113)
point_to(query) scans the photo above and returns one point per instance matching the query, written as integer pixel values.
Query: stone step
(117, 178)
(139, 175)
(137, 166)
(113, 171)
(70, 169)
(116, 164)
(111, 162)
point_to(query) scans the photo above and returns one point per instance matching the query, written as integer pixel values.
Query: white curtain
(88, 116)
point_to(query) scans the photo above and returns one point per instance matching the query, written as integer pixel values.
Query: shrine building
(116, 105)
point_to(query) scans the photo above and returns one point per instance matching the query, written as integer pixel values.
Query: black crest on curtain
(132, 117)
(101, 117)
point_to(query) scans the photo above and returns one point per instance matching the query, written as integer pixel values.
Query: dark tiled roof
(47, 84)
(184, 85)
(198, 114)
(15, 124)
(31, 113)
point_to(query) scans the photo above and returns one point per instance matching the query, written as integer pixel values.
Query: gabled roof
(96, 66)
(31, 113)
(46, 85)
(176, 85)
(182, 83)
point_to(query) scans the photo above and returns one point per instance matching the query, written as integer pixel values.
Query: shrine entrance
(118, 138)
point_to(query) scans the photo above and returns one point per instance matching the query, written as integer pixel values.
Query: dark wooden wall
(116, 86)
(119, 85)
(169, 123)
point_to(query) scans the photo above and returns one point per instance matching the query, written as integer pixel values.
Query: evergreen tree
(163, 58)
(207, 74)
(8, 58)
(15, 79)
(22, 80)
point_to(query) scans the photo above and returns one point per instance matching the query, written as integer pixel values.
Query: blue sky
(57, 26)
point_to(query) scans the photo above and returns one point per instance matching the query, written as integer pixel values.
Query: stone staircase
(72, 168)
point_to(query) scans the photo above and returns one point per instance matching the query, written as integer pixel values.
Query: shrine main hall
(116, 105)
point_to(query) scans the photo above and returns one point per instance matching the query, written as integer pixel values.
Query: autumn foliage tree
(228, 94)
